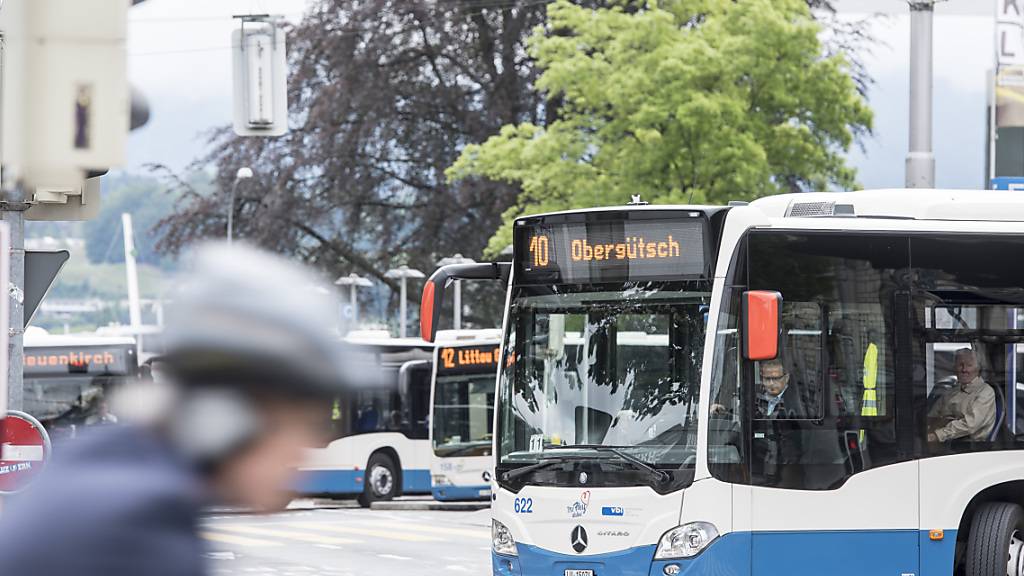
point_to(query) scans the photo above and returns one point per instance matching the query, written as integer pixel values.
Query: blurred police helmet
(242, 317)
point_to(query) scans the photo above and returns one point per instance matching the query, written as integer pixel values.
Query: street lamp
(243, 173)
(457, 314)
(403, 273)
(354, 282)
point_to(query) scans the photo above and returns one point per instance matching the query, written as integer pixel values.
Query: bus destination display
(624, 250)
(468, 359)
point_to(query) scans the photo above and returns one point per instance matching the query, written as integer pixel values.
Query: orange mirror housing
(761, 324)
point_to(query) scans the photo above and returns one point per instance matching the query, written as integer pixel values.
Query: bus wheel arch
(989, 510)
(383, 466)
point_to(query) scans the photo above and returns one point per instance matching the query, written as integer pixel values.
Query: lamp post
(920, 158)
(457, 305)
(244, 173)
(403, 273)
(354, 282)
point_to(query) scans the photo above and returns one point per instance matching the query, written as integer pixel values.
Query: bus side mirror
(433, 290)
(761, 325)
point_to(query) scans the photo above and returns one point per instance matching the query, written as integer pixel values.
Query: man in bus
(774, 403)
(245, 386)
(968, 411)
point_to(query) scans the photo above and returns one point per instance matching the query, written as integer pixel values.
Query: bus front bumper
(722, 557)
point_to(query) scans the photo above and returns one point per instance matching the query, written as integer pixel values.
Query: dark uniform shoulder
(115, 501)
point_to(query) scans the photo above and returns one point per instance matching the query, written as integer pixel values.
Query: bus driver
(967, 411)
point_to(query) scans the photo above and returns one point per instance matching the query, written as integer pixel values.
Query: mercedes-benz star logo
(579, 539)
(583, 477)
(487, 476)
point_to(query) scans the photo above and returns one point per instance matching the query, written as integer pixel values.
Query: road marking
(391, 535)
(482, 534)
(236, 540)
(287, 534)
(393, 557)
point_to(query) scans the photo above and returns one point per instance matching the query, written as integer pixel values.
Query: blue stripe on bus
(330, 482)
(415, 481)
(836, 553)
(461, 492)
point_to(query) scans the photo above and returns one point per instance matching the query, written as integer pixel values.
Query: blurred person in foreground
(240, 393)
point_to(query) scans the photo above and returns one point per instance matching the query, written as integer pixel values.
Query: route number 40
(523, 505)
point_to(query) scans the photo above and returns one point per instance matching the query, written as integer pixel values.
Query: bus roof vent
(806, 209)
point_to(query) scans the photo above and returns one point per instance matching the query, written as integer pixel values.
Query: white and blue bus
(679, 459)
(69, 378)
(462, 414)
(380, 447)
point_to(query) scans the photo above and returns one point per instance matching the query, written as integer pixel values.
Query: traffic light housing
(67, 108)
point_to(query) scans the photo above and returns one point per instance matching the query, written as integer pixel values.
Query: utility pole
(920, 158)
(13, 213)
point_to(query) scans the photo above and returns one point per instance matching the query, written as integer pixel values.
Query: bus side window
(837, 352)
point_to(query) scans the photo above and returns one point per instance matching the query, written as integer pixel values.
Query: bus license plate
(579, 573)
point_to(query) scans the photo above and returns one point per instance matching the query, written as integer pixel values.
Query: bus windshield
(462, 419)
(617, 368)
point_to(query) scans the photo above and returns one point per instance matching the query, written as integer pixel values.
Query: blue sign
(1015, 183)
(612, 511)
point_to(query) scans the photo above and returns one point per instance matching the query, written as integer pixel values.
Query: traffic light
(67, 108)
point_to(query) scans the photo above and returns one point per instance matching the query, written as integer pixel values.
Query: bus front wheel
(381, 481)
(995, 545)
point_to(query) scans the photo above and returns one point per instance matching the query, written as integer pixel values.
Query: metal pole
(14, 214)
(992, 133)
(355, 306)
(231, 210)
(457, 320)
(132, 278)
(920, 159)
(401, 307)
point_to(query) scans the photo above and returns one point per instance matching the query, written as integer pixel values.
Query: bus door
(414, 388)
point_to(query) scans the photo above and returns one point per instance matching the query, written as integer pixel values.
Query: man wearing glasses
(777, 400)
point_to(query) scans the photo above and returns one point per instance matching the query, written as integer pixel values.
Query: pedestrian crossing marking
(236, 540)
(482, 534)
(287, 534)
(346, 529)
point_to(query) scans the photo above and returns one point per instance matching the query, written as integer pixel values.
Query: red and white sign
(24, 450)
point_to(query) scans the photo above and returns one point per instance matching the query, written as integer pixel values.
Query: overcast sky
(179, 56)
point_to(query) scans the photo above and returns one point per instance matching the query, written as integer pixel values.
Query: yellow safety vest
(870, 405)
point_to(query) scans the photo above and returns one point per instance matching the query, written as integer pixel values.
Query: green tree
(684, 101)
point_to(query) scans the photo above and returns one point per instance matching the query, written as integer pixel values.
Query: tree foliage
(384, 94)
(684, 101)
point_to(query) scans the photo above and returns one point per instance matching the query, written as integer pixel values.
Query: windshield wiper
(544, 463)
(659, 475)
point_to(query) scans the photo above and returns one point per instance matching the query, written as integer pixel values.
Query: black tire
(988, 544)
(381, 480)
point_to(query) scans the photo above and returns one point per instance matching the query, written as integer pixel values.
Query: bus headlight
(441, 480)
(501, 539)
(686, 541)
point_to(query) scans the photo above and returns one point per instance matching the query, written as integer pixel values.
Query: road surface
(349, 541)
